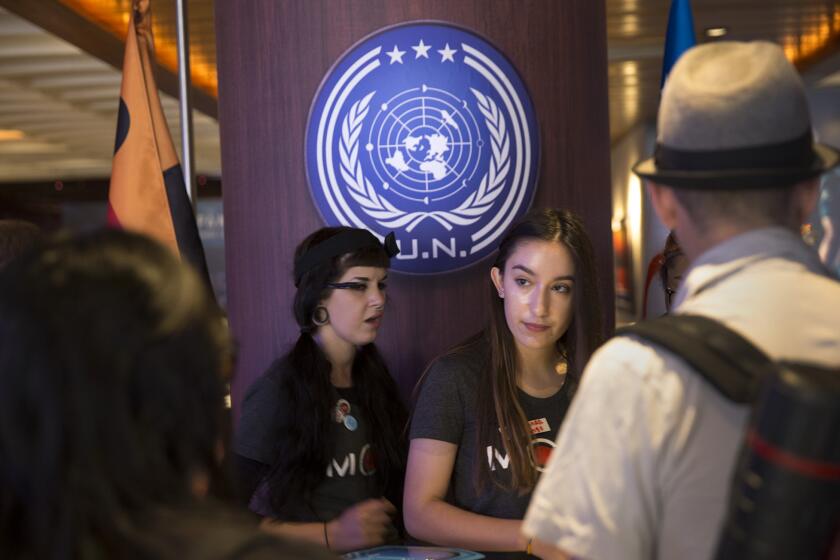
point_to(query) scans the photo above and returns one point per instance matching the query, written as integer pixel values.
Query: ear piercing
(321, 316)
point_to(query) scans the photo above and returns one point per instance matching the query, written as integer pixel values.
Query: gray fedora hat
(734, 115)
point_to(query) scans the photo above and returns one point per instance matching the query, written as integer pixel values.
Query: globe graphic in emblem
(425, 144)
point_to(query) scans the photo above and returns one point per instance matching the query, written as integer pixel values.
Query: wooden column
(272, 55)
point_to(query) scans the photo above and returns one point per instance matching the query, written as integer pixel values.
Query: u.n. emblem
(427, 130)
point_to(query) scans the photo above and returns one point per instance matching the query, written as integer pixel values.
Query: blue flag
(680, 35)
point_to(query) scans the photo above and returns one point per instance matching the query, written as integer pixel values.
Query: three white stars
(421, 50)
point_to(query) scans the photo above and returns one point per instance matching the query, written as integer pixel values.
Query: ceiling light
(716, 31)
(10, 134)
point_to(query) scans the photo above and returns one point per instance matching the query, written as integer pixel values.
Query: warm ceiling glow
(630, 68)
(716, 32)
(813, 37)
(630, 24)
(630, 105)
(114, 19)
(10, 134)
(631, 80)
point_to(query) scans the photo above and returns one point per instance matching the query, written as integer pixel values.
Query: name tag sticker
(539, 426)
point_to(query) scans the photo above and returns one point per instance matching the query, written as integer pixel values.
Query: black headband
(796, 153)
(345, 242)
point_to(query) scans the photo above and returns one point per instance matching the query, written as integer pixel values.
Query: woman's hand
(364, 525)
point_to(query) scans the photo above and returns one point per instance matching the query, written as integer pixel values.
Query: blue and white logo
(427, 130)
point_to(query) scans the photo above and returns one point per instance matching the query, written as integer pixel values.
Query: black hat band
(791, 154)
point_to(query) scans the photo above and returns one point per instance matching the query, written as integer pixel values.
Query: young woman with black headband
(319, 443)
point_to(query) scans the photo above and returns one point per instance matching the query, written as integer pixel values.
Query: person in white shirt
(645, 457)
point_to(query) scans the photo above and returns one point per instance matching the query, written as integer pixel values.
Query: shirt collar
(735, 253)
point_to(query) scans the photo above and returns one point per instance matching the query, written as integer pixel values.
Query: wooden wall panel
(272, 55)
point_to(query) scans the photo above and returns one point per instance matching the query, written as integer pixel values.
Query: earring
(320, 316)
(502, 294)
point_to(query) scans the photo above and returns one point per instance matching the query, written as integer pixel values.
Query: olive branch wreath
(388, 215)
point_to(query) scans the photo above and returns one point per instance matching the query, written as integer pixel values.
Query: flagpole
(184, 100)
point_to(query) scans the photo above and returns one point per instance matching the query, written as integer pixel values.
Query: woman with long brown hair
(488, 411)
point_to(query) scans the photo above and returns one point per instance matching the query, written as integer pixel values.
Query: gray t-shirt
(446, 411)
(263, 430)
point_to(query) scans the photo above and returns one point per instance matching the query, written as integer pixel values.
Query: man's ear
(664, 203)
(806, 195)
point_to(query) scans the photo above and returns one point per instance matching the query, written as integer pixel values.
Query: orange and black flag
(147, 192)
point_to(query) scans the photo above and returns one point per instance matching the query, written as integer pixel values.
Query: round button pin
(342, 408)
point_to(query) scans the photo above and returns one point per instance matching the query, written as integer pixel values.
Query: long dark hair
(112, 357)
(301, 463)
(499, 411)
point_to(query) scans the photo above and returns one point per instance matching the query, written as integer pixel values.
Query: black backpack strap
(727, 360)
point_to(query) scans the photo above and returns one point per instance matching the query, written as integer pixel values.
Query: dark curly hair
(112, 364)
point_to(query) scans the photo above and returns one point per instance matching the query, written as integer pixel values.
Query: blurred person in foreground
(644, 460)
(113, 360)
